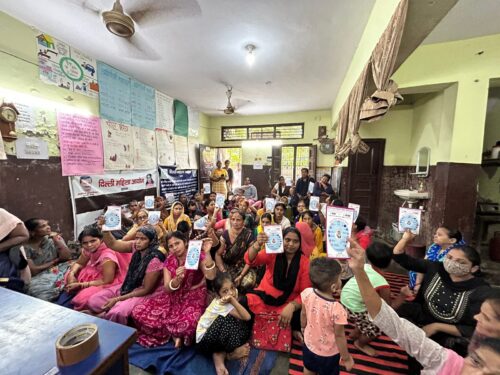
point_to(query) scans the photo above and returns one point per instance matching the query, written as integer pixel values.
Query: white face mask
(455, 268)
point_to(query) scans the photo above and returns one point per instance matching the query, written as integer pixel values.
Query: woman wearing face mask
(445, 239)
(97, 267)
(483, 359)
(449, 297)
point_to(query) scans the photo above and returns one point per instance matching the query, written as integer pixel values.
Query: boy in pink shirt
(323, 319)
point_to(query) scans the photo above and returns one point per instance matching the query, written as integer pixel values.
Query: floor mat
(168, 360)
(391, 359)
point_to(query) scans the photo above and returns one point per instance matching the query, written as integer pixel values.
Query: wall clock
(8, 118)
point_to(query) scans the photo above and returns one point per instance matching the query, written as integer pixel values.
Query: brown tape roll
(77, 344)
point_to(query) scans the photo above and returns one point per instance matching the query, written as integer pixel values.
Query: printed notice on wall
(144, 148)
(181, 152)
(31, 148)
(66, 67)
(114, 97)
(142, 101)
(164, 111)
(81, 144)
(165, 147)
(118, 145)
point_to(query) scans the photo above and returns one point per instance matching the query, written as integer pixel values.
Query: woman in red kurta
(287, 275)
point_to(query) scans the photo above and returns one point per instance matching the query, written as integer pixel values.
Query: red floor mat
(391, 359)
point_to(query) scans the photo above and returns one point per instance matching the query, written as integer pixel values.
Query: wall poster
(118, 145)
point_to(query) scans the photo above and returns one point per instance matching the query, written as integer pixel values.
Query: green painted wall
(311, 119)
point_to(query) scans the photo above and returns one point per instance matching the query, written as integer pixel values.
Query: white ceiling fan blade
(150, 12)
(136, 47)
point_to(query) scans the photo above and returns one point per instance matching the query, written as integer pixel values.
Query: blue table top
(29, 328)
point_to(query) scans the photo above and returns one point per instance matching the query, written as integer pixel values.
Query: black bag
(9, 271)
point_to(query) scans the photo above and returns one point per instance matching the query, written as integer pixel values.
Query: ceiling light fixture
(250, 54)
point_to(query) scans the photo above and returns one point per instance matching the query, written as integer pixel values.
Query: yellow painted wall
(311, 119)
(380, 15)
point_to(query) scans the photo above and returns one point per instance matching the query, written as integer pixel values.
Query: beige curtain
(382, 63)
(348, 139)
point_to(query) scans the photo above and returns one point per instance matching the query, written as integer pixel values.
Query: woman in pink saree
(97, 267)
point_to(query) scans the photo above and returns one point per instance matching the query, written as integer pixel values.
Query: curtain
(348, 139)
(382, 63)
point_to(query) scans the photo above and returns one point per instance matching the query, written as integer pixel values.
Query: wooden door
(365, 175)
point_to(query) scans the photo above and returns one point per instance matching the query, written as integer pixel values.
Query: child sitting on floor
(224, 329)
(322, 319)
(379, 256)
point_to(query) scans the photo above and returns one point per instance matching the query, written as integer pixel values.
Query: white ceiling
(468, 19)
(195, 46)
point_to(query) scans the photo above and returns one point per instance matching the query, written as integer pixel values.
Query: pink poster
(81, 144)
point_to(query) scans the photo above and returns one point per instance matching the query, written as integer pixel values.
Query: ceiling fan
(122, 22)
(230, 108)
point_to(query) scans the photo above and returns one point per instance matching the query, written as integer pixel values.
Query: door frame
(379, 177)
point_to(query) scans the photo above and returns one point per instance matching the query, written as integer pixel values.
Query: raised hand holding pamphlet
(314, 204)
(170, 198)
(201, 223)
(409, 218)
(154, 217)
(149, 202)
(206, 188)
(338, 231)
(310, 188)
(356, 208)
(113, 218)
(270, 203)
(274, 244)
(220, 199)
(193, 255)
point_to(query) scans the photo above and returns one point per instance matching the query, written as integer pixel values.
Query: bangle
(256, 248)
(171, 287)
(211, 267)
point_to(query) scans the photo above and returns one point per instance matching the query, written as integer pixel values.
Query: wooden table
(29, 328)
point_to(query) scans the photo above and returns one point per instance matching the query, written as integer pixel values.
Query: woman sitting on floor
(98, 267)
(213, 213)
(450, 294)
(224, 328)
(286, 276)
(308, 218)
(143, 277)
(141, 221)
(48, 257)
(176, 309)
(308, 245)
(444, 239)
(234, 243)
(435, 359)
(176, 216)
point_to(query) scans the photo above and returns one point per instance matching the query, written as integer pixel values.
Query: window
(293, 159)
(280, 131)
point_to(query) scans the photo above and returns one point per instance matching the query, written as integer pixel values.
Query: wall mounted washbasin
(412, 196)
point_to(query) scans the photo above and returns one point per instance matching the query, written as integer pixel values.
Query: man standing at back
(230, 176)
(302, 185)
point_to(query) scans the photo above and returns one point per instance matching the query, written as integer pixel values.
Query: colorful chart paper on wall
(37, 122)
(81, 144)
(114, 97)
(142, 101)
(144, 148)
(181, 152)
(164, 111)
(118, 145)
(194, 122)
(165, 147)
(31, 148)
(181, 121)
(193, 157)
(66, 67)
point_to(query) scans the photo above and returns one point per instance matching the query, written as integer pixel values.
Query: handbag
(268, 335)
